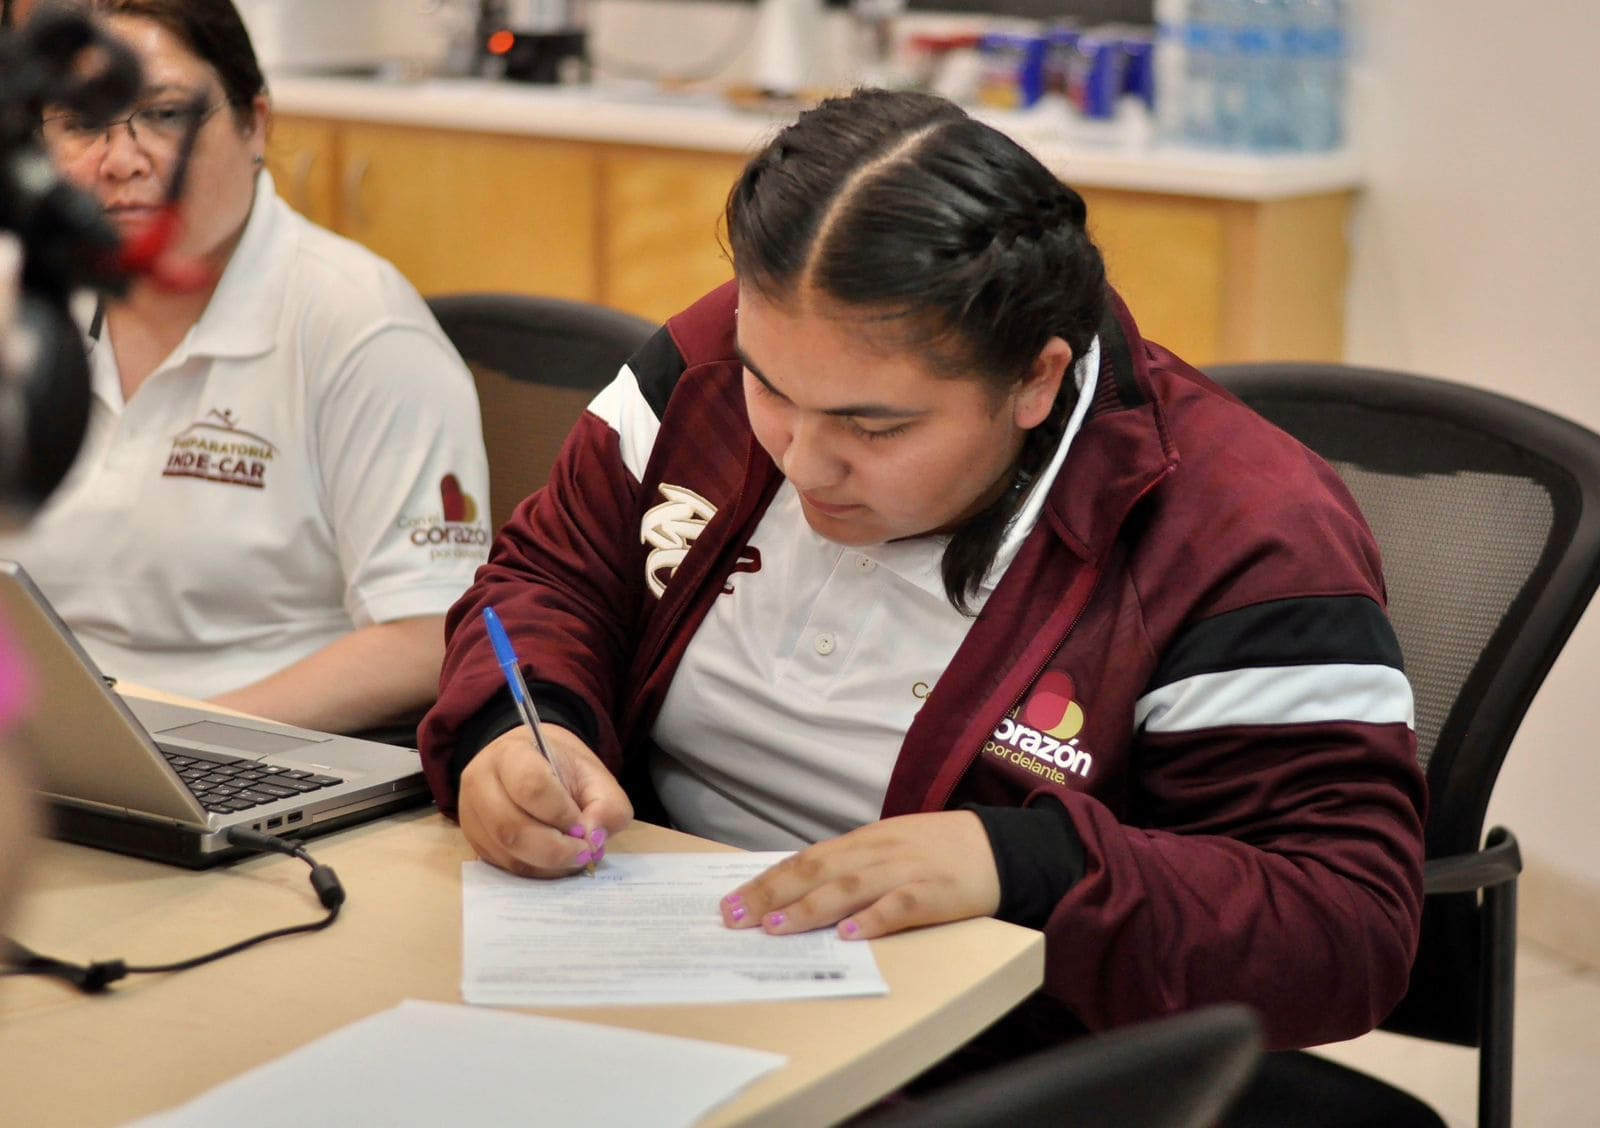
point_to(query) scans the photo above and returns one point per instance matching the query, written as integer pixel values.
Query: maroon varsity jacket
(1189, 652)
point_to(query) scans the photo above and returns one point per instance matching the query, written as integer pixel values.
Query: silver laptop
(166, 781)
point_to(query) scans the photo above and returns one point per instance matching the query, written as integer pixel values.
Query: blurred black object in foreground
(63, 60)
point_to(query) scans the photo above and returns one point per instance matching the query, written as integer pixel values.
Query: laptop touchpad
(239, 738)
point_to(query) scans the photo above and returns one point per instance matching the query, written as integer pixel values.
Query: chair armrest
(1499, 862)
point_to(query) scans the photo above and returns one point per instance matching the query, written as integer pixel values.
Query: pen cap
(503, 653)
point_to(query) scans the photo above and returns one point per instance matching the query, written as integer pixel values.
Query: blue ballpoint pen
(512, 669)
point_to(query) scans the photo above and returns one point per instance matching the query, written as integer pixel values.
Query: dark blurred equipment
(58, 59)
(62, 61)
(543, 41)
(1177, 1072)
(1488, 514)
(537, 362)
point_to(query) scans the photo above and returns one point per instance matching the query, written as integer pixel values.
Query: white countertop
(638, 116)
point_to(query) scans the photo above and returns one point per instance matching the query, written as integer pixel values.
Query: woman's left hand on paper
(903, 872)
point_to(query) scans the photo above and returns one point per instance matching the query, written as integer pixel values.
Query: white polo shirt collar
(242, 317)
(241, 320)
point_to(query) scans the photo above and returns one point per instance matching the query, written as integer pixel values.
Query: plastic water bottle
(1229, 73)
(1200, 72)
(1265, 74)
(1171, 69)
(1319, 46)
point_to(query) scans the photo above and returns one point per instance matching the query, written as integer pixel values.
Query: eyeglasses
(157, 129)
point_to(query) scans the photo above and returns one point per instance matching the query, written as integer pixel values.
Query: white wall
(700, 40)
(1477, 257)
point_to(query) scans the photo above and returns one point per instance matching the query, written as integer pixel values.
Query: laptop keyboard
(229, 785)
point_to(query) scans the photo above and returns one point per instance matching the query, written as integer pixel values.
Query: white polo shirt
(308, 460)
(784, 720)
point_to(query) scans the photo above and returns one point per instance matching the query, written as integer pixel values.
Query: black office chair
(1178, 1072)
(537, 362)
(1488, 514)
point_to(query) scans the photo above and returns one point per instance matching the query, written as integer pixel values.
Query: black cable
(180, 166)
(94, 978)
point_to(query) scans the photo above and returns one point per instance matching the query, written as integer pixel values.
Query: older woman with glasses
(284, 486)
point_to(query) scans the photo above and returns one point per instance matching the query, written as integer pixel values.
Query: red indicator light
(500, 42)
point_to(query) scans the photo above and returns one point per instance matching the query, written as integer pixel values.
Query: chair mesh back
(1462, 527)
(1430, 531)
(537, 363)
(524, 427)
(1485, 511)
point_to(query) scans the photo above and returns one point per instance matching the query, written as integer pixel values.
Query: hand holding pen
(511, 667)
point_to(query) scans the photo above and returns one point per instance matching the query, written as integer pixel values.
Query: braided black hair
(939, 229)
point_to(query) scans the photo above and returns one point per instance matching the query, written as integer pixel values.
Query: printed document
(420, 1065)
(645, 929)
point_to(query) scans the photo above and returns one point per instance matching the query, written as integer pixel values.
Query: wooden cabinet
(630, 227)
(303, 156)
(661, 238)
(639, 228)
(452, 210)
(1229, 280)
(472, 211)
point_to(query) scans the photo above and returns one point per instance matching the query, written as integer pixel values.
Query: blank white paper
(422, 1065)
(646, 929)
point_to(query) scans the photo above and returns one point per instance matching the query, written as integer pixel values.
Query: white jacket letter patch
(669, 529)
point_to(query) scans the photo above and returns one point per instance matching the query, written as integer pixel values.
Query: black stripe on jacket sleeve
(1315, 630)
(656, 367)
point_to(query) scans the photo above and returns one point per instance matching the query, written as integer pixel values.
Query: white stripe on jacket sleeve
(623, 408)
(1368, 693)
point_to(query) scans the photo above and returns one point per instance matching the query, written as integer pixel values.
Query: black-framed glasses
(157, 128)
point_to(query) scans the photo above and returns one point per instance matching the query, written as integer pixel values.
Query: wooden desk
(156, 1041)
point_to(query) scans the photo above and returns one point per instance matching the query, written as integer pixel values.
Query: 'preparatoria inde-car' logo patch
(217, 449)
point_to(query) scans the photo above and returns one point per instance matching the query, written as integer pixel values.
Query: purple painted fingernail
(775, 920)
(582, 859)
(577, 832)
(600, 853)
(738, 913)
(598, 838)
(850, 928)
(733, 899)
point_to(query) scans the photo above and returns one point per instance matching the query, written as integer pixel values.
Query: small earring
(258, 160)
